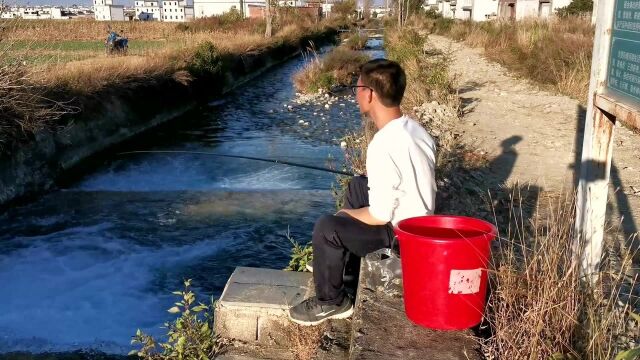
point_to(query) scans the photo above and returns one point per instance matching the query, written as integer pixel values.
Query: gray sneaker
(309, 312)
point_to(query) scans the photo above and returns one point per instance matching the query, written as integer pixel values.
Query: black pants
(336, 235)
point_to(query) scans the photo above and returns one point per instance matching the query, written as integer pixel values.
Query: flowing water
(85, 266)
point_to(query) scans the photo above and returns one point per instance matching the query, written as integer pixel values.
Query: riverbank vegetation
(554, 53)
(190, 336)
(48, 68)
(355, 41)
(324, 72)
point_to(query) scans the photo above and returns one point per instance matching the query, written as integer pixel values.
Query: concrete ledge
(254, 304)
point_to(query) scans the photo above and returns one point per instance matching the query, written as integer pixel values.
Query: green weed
(189, 337)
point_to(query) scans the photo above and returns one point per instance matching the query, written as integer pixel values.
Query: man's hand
(363, 215)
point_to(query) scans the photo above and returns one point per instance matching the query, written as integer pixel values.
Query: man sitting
(400, 184)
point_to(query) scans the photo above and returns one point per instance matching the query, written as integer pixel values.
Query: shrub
(190, 336)
(206, 60)
(357, 41)
(576, 7)
(344, 8)
(301, 255)
(428, 76)
(403, 45)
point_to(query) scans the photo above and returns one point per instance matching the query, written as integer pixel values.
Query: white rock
(326, 106)
(343, 144)
(301, 122)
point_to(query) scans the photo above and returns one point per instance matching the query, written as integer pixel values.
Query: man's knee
(324, 227)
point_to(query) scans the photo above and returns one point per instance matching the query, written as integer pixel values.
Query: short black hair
(386, 78)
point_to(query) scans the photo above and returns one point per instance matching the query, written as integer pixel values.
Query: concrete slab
(254, 305)
(274, 277)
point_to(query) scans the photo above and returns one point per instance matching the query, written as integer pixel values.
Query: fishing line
(275, 161)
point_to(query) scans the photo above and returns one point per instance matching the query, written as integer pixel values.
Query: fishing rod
(275, 161)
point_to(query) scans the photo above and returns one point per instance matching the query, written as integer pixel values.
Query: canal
(86, 265)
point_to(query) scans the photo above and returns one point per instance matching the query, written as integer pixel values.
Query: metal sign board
(623, 77)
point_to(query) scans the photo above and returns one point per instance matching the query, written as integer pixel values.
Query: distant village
(185, 10)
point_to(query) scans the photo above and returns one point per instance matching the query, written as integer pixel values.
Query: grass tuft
(338, 67)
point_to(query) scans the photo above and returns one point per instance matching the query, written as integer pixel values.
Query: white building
(35, 13)
(522, 9)
(148, 10)
(204, 8)
(176, 11)
(482, 10)
(105, 10)
(476, 10)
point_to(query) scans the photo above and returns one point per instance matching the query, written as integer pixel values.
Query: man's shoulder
(414, 131)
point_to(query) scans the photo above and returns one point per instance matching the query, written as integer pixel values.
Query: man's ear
(371, 96)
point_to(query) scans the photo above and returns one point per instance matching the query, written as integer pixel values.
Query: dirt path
(531, 134)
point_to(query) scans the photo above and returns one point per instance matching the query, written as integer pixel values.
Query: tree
(576, 7)
(268, 18)
(406, 8)
(344, 8)
(366, 9)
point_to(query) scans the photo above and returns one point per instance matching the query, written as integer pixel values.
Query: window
(180, 9)
(165, 17)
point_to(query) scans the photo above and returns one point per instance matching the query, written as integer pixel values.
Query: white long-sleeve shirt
(401, 162)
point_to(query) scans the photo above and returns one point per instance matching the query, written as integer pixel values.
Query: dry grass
(556, 53)
(87, 29)
(428, 76)
(356, 41)
(24, 107)
(304, 341)
(338, 67)
(539, 306)
(99, 72)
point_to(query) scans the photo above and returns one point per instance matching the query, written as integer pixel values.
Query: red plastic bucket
(444, 269)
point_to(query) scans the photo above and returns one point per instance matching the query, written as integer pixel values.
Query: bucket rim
(493, 232)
